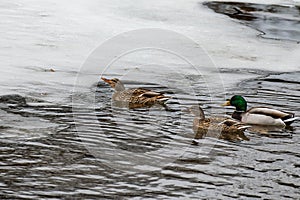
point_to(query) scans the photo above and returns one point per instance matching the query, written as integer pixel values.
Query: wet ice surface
(46, 153)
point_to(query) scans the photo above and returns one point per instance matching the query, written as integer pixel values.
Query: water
(280, 22)
(89, 148)
(49, 159)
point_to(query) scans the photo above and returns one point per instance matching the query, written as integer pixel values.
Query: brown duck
(217, 127)
(135, 97)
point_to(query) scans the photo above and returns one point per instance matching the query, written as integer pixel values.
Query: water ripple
(110, 152)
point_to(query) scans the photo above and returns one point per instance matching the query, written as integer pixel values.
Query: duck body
(259, 115)
(218, 127)
(139, 96)
(135, 98)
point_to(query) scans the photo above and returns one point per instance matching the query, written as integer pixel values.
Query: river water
(70, 141)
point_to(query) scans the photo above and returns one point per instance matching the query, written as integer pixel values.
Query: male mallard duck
(259, 115)
(137, 97)
(218, 127)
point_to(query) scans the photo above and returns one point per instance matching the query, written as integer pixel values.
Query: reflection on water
(110, 152)
(272, 131)
(274, 21)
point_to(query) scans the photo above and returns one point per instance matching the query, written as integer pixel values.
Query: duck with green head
(258, 115)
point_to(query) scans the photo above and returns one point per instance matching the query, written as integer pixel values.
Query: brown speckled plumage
(222, 128)
(134, 98)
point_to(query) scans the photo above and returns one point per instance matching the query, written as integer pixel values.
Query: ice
(37, 35)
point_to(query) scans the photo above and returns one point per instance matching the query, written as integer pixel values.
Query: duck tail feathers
(243, 127)
(163, 99)
(290, 120)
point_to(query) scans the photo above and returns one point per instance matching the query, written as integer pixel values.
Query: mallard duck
(259, 115)
(218, 127)
(136, 97)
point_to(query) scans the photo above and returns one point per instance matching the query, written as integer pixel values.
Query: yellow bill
(227, 103)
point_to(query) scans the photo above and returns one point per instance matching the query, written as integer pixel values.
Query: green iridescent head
(238, 102)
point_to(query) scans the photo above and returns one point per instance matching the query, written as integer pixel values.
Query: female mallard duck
(135, 98)
(218, 127)
(258, 115)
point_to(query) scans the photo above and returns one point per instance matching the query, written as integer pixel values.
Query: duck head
(114, 83)
(238, 102)
(197, 111)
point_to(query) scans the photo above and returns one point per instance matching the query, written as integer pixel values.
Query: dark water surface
(273, 21)
(111, 152)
